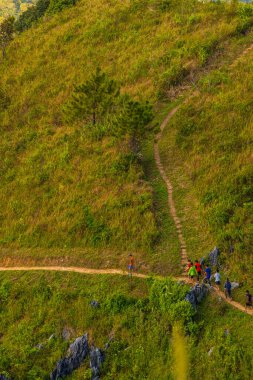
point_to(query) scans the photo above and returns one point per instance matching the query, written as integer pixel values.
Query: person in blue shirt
(208, 275)
(228, 288)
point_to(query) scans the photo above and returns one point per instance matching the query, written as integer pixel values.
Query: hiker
(208, 272)
(192, 271)
(130, 265)
(248, 299)
(228, 288)
(198, 269)
(189, 264)
(217, 277)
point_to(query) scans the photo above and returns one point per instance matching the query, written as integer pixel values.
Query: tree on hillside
(133, 120)
(94, 100)
(6, 33)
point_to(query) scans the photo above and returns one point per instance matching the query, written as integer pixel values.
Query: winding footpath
(170, 188)
(173, 212)
(120, 272)
(92, 271)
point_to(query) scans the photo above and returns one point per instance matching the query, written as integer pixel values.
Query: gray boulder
(96, 359)
(67, 333)
(95, 304)
(78, 351)
(214, 256)
(196, 294)
(234, 285)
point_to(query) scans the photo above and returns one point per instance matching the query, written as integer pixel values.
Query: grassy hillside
(138, 316)
(60, 187)
(125, 315)
(208, 150)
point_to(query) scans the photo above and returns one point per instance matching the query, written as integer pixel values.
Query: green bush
(58, 5)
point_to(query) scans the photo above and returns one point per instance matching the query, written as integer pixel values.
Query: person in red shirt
(198, 268)
(130, 265)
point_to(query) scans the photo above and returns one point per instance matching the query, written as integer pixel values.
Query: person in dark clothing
(228, 288)
(208, 272)
(248, 299)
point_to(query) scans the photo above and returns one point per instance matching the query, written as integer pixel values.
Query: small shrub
(5, 291)
(56, 6)
(173, 76)
(122, 165)
(118, 303)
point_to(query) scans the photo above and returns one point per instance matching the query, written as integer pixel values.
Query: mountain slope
(60, 187)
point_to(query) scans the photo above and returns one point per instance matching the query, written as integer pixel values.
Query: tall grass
(180, 353)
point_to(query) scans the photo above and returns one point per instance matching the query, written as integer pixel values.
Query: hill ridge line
(112, 271)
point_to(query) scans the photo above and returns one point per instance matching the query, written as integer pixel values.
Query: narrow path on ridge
(91, 271)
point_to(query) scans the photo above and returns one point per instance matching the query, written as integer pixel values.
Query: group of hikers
(198, 268)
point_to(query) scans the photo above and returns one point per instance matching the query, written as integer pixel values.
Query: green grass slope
(59, 187)
(138, 315)
(208, 151)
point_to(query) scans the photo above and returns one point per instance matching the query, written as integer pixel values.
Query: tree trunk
(93, 118)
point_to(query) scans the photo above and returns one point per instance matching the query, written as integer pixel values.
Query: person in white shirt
(217, 277)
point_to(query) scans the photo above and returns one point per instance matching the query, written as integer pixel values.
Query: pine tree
(93, 101)
(133, 120)
(6, 33)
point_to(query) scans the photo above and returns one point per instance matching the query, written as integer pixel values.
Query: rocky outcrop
(78, 351)
(97, 357)
(196, 294)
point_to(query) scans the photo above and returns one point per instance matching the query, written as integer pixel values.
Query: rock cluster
(78, 351)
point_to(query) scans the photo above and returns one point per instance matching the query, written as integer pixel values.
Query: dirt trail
(121, 273)
(170, 188)
(237, 60)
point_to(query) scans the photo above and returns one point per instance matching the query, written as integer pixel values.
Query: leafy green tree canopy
(98, 102)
